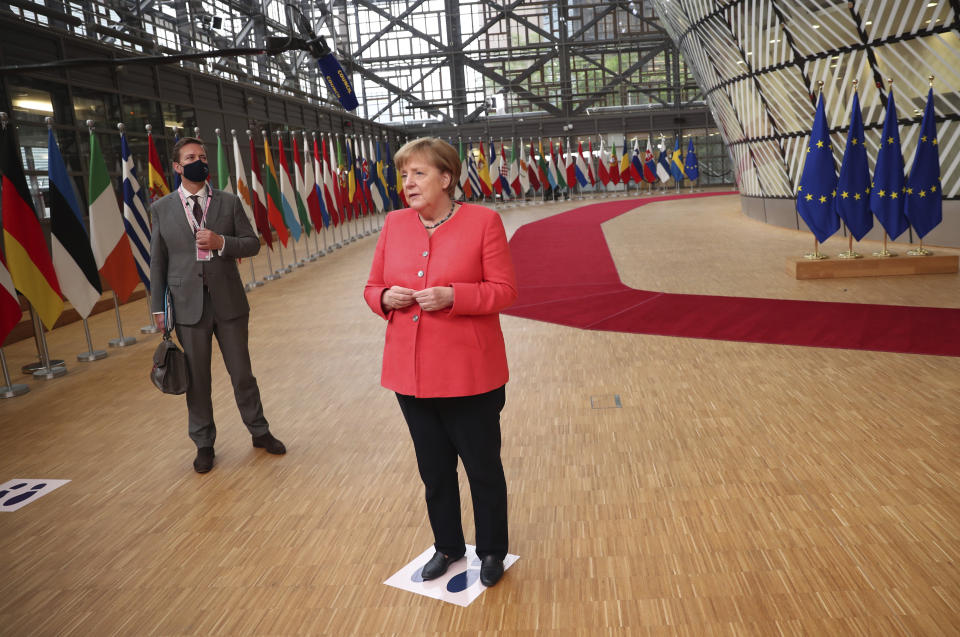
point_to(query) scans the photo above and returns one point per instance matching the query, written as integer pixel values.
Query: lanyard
(191, 219)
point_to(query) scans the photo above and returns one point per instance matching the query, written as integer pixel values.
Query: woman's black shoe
(491, 570)
(437, 566)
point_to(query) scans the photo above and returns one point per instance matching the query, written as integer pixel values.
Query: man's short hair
(183, 141)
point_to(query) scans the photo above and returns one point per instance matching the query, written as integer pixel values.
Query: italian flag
(111, 248)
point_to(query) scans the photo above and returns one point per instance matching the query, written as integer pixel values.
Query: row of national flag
(486, 171)
(328, 184)
(115, 248)
(824, 198)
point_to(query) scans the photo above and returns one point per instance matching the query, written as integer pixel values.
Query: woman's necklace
(439, 223)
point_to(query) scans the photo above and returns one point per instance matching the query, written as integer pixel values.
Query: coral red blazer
(458, 351)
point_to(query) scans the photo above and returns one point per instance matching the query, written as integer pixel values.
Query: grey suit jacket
(173, 258)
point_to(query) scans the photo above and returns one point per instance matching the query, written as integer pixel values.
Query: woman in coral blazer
(441, 274)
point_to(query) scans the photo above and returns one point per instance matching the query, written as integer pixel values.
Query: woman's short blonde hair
(437, 152)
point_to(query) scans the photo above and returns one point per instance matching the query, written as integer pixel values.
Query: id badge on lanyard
(202, 255)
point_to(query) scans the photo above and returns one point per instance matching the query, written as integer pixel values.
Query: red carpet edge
(567, 276)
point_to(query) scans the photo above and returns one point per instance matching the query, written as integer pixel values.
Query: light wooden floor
(742, 489)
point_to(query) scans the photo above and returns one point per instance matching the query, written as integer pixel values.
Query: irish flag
(111, 248)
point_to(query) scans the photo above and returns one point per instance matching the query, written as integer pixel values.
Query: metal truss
(452, 63)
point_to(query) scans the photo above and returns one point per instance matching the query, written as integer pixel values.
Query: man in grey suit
(198, 234)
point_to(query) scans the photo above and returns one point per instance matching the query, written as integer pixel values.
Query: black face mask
(196, 171)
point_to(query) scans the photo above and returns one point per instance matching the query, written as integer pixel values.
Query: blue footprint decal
(20, 495)
(462, 581)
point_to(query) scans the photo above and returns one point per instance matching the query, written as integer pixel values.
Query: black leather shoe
(204, 460)
(269, 443)
(491, 570)
(437, 566)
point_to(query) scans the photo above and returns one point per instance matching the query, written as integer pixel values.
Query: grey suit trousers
(198, 346)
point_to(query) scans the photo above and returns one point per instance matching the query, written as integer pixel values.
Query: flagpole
(519, 162)
(335, 175)
(279, 272)
(849, 254)
(361, 229)
(884, 253)
(153, 322)
(626, 182)
(121, 340)
(310, 256)
(357, 208)
(283, 269)
(46, 371)
(357, 195)
(151, 328)
(921, 251)
(335, 161)
(372, 211)
(816, 255)
(9, 390)
(91, 354)
(334, 214)
(351, 170)
(362, 183)
(253, 275)
(383, 217)
(296, 263)
(270, 275)
(308, 154)
(543, 186)
(371, 170)
(317, 179)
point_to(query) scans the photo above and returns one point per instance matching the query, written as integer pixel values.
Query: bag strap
(167, 313)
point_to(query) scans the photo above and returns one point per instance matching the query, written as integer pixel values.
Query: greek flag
(135, 218)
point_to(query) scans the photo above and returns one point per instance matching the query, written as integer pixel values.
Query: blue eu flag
(923, 205)
(886, 194)
(690, 165)
(818, 182)
(852, 203)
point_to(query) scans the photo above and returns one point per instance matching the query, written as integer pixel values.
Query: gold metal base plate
(849, 254)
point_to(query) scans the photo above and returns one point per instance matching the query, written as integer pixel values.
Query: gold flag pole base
(816, 255)
(920, 252)
(884, 252)
(849, 254)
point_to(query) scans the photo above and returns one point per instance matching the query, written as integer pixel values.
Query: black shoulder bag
(169, 372)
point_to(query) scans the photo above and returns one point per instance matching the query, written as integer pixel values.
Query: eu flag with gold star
(818, 182)
(852, 203)
(924, 204)
(886, 194)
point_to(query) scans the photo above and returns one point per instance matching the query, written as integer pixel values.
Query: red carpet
(567, 276)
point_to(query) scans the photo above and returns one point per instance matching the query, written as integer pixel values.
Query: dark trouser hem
(232, 338)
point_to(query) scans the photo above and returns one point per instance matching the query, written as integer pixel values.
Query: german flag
(28, 257)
